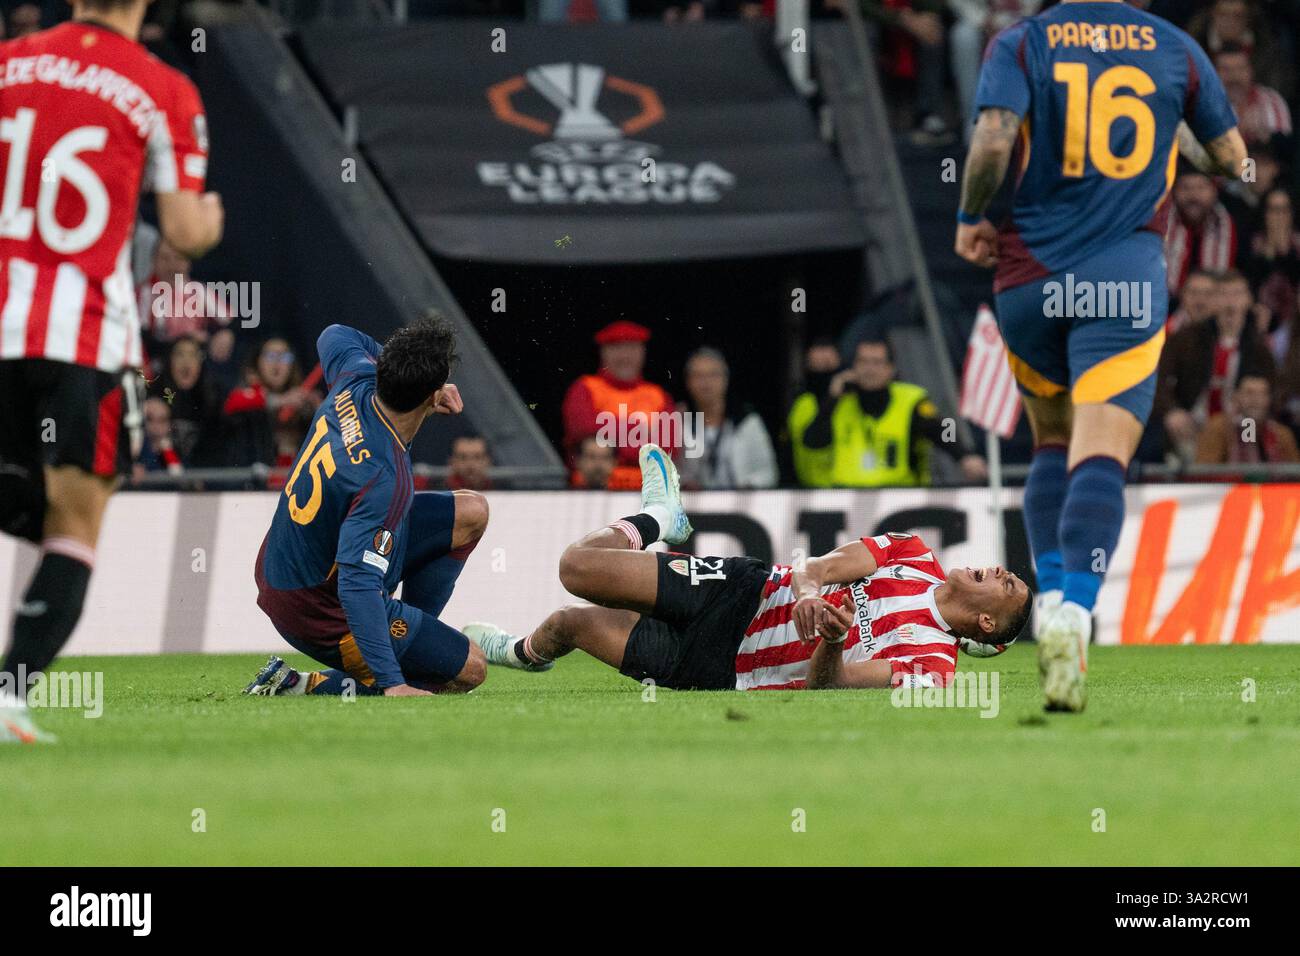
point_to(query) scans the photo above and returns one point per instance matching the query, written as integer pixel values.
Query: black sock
(22, 503)
(646, 526)
(49, 612)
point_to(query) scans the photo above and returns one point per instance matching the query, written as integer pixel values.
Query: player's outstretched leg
(607, 567)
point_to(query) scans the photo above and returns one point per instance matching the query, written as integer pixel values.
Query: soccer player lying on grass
(348, 528)
(876, 612)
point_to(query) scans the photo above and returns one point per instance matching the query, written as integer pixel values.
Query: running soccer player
(86, 116)
(876, 612)
(349, 528)
(1088, 100)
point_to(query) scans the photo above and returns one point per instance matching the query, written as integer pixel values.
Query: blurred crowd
(1229, 377)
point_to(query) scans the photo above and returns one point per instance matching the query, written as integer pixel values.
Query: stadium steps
(328, 247)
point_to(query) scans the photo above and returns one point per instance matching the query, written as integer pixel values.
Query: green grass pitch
(1185, 771)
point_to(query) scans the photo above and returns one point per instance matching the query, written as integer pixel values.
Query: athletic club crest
(383, 542)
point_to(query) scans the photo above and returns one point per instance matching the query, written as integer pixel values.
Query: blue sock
(429, 588)
(1044, 496)
(1090, 526)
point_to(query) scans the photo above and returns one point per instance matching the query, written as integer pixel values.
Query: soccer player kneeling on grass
(876, 612)
(349, 528)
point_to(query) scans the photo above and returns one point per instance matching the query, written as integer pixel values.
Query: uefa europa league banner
(1206, 564)
(601, 144)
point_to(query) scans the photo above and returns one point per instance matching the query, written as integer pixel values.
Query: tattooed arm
(986, 167)
(1223, 156)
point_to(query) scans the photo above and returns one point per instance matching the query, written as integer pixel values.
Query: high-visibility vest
(812, 466)
(872, 452)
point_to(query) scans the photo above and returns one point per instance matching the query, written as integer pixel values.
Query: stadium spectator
(470, 464)
(726, 443)
(1200, 362)
(872, 431)
(1200, 234)
(594, 465)
(911, 44)
(976, 23)
(196, 424)
(168, 305)
(1195, 304)
(157, 452)
(1243, 23)
(1243, 196)
(617, 403)
(267, 419)
(567, 11)
(821, 363)
(24, 20)
(1261, 110)
(1273, 262)
(1245, 432)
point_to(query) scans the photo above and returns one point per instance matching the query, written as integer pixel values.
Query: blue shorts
(1095, 329)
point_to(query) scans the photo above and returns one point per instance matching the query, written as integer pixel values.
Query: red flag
(989, 397)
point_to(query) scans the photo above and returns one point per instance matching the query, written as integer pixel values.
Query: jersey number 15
(321, 467)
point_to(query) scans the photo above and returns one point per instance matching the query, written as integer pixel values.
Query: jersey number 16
(1089, 117)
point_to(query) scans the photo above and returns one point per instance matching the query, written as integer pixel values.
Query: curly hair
(415, 362)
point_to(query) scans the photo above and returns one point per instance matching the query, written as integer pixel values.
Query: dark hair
(415, 362)
(1011, 630)
(104, 6)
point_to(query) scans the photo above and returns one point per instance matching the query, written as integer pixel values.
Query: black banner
(600, 144)
(342, 905)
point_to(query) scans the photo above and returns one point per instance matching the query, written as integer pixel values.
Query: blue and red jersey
(335, 550)
(1101, 88)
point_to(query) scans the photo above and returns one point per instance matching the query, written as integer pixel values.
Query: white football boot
(661, 494)
(16, 725)
(1063, 658)
(498, 647)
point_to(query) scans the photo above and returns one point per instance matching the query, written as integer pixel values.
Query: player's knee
(471, 515)
(563, 624)
(575, 569)
(474, 672)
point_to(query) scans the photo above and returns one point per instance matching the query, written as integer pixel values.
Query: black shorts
(701, 612)
(55, 413)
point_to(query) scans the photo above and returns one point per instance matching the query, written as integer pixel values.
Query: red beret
(622, 331)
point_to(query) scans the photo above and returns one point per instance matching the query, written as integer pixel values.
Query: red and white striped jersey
(1264, 114)
(87, 117)
(897, 620)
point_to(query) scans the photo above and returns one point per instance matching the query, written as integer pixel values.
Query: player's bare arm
(827, 670)
(192, 223)
(1223, 156)
(991, 146)
(847, 563)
